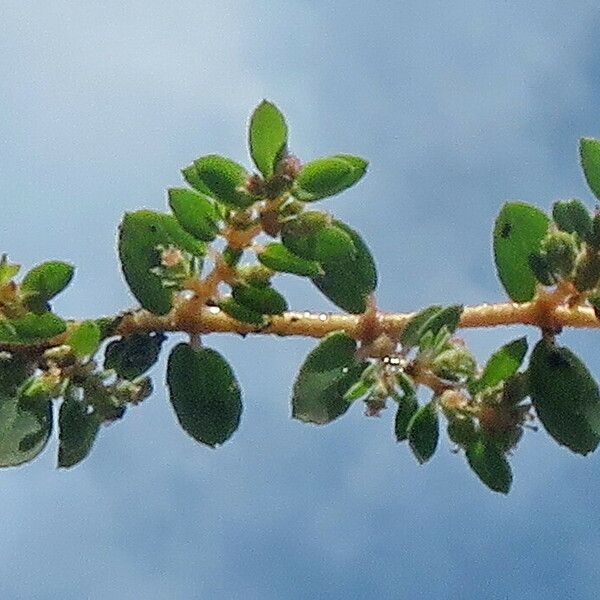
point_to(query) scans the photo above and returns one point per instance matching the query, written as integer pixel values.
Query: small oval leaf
(48, 279)
(267, 137)
(518, 232)
(489, 463)
(328, 176)
(565, 396)
(204, 393)
(277, 257)
(504, 363)
(424, 432)
(348, 283)
(131, 356)
(77, 432)
(84, 339)
(328, 372)
(262, 299)
(225, 179)
(195, 212)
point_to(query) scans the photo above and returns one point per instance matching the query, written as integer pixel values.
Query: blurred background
(458, 106)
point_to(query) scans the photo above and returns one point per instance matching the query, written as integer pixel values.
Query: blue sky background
(458, 106)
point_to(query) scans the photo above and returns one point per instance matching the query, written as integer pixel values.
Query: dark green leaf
(504, 363)
(225, 180)
(77, 432)
(538, 263)
(24, 431)
(240, 312)
(348, 283)
(587, 271)
(277, 257)
(195, 212)
(204, 393)
(407, 407)
(14, 370)
(84, 339)
(267, 137)
(140, 234)
(48, 279)
(424, 432)
(573, 217)
(490, 465)
(589, 151)
(462, 431)
(565, 397)
(518, 232)
(133, 355)
(328, 372)
(264, 299)
(328, 176)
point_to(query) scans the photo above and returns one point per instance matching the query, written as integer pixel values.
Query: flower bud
(587, 271)
(560, 250)
(454, 364)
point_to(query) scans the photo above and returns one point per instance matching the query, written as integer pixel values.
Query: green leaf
(504, 363)
(462, 430)
(77, 432)
(264, 299)
(518, 232)
(328, 372)
(14, 370)
(84, 339)
(32, 328)
(407, 407)
(348, 283)
(242, 313)
(48, 279)
(267, 137)
(489, 464)
(565, 397)
(190, 174)
(328, 176)
(589, 152)
(195, 212)
(225, 180)
(573, 217)
(140, 234)
(277, 257)
(181, 238)
(24, 431)
(311, 236)
(424, 432)
(131, 356)
(204, 393)
(431, 319)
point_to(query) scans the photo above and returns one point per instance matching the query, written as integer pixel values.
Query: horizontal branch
(317, 325)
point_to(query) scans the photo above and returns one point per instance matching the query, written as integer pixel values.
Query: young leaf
(573, 217)
(132, 356)
(589, 151)
(431, 319)
(328, 176)
(77, 432)
(565, 396)
(407, 407)
(277, 257)
(48, 279)
(424, 432)
(204, 393)
(84, 339)
(518, 232)
(140, 234)
(328, 372)
(7, 270)
(504, 363)
(264, 300)
(225, 179)
(190, 174)
(349, 282)
(24, 430)
(267, 137)
(180, 237)
(195, 212)
(489, 463)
